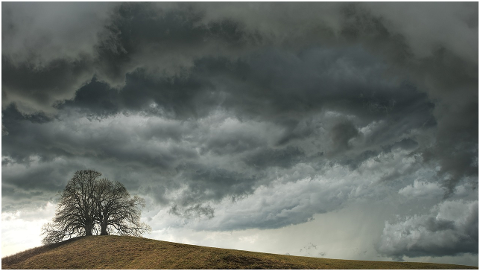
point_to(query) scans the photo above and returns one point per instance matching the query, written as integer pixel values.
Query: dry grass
(120, 252)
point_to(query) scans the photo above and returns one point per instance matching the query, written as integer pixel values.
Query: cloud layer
(237, 116)
(451, 228)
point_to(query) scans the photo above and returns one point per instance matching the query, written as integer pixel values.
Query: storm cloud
(450, 228)
(240, 116)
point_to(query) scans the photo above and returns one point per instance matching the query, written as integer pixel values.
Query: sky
(321, 129)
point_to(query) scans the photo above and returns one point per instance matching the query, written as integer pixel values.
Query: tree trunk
(103, 227)
(88, 230)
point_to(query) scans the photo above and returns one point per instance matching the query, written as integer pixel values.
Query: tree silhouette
(116, 210)
(90, 205)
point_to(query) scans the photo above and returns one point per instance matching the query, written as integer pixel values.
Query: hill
(122, 252)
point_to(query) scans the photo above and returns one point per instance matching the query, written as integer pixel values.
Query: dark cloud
(37, 88)
(406, 143)
(213, 184)
(456, 144)
(178, 95)
(285, 158)
(195, 211)
(197, 104)
(97, 98)
(341, 134)
(235, 141)
(450, 229)
(32, 182)
(452, 83)
(143, 35)
(38, 33)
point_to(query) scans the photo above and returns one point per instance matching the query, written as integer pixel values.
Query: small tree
(89, 205)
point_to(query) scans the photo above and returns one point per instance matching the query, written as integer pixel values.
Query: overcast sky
(333, 130)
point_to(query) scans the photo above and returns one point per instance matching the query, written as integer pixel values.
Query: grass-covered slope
(120, 252)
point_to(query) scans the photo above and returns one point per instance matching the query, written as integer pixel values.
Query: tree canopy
(89, 205)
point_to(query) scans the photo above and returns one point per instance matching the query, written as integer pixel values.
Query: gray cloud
(341, 134)
(213, 184)
(36, 89)
(195, 105)
(47, 51)
(39, 33)
(460, 20)
(451, 228)
(275, 157)
(294, 195)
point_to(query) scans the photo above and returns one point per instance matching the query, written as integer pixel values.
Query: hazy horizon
(323, 129)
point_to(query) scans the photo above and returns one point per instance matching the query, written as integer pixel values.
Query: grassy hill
(121, 252)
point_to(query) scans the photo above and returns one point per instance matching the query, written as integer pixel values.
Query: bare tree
(53, 233)
(117, 211)
(90, 205)
(76, 209)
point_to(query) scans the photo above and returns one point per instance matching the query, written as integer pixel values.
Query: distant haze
(338, 130)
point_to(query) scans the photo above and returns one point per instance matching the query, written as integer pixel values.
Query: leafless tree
(117, 211)
(90, 205)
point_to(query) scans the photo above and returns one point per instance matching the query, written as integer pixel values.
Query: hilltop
(122, 252)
